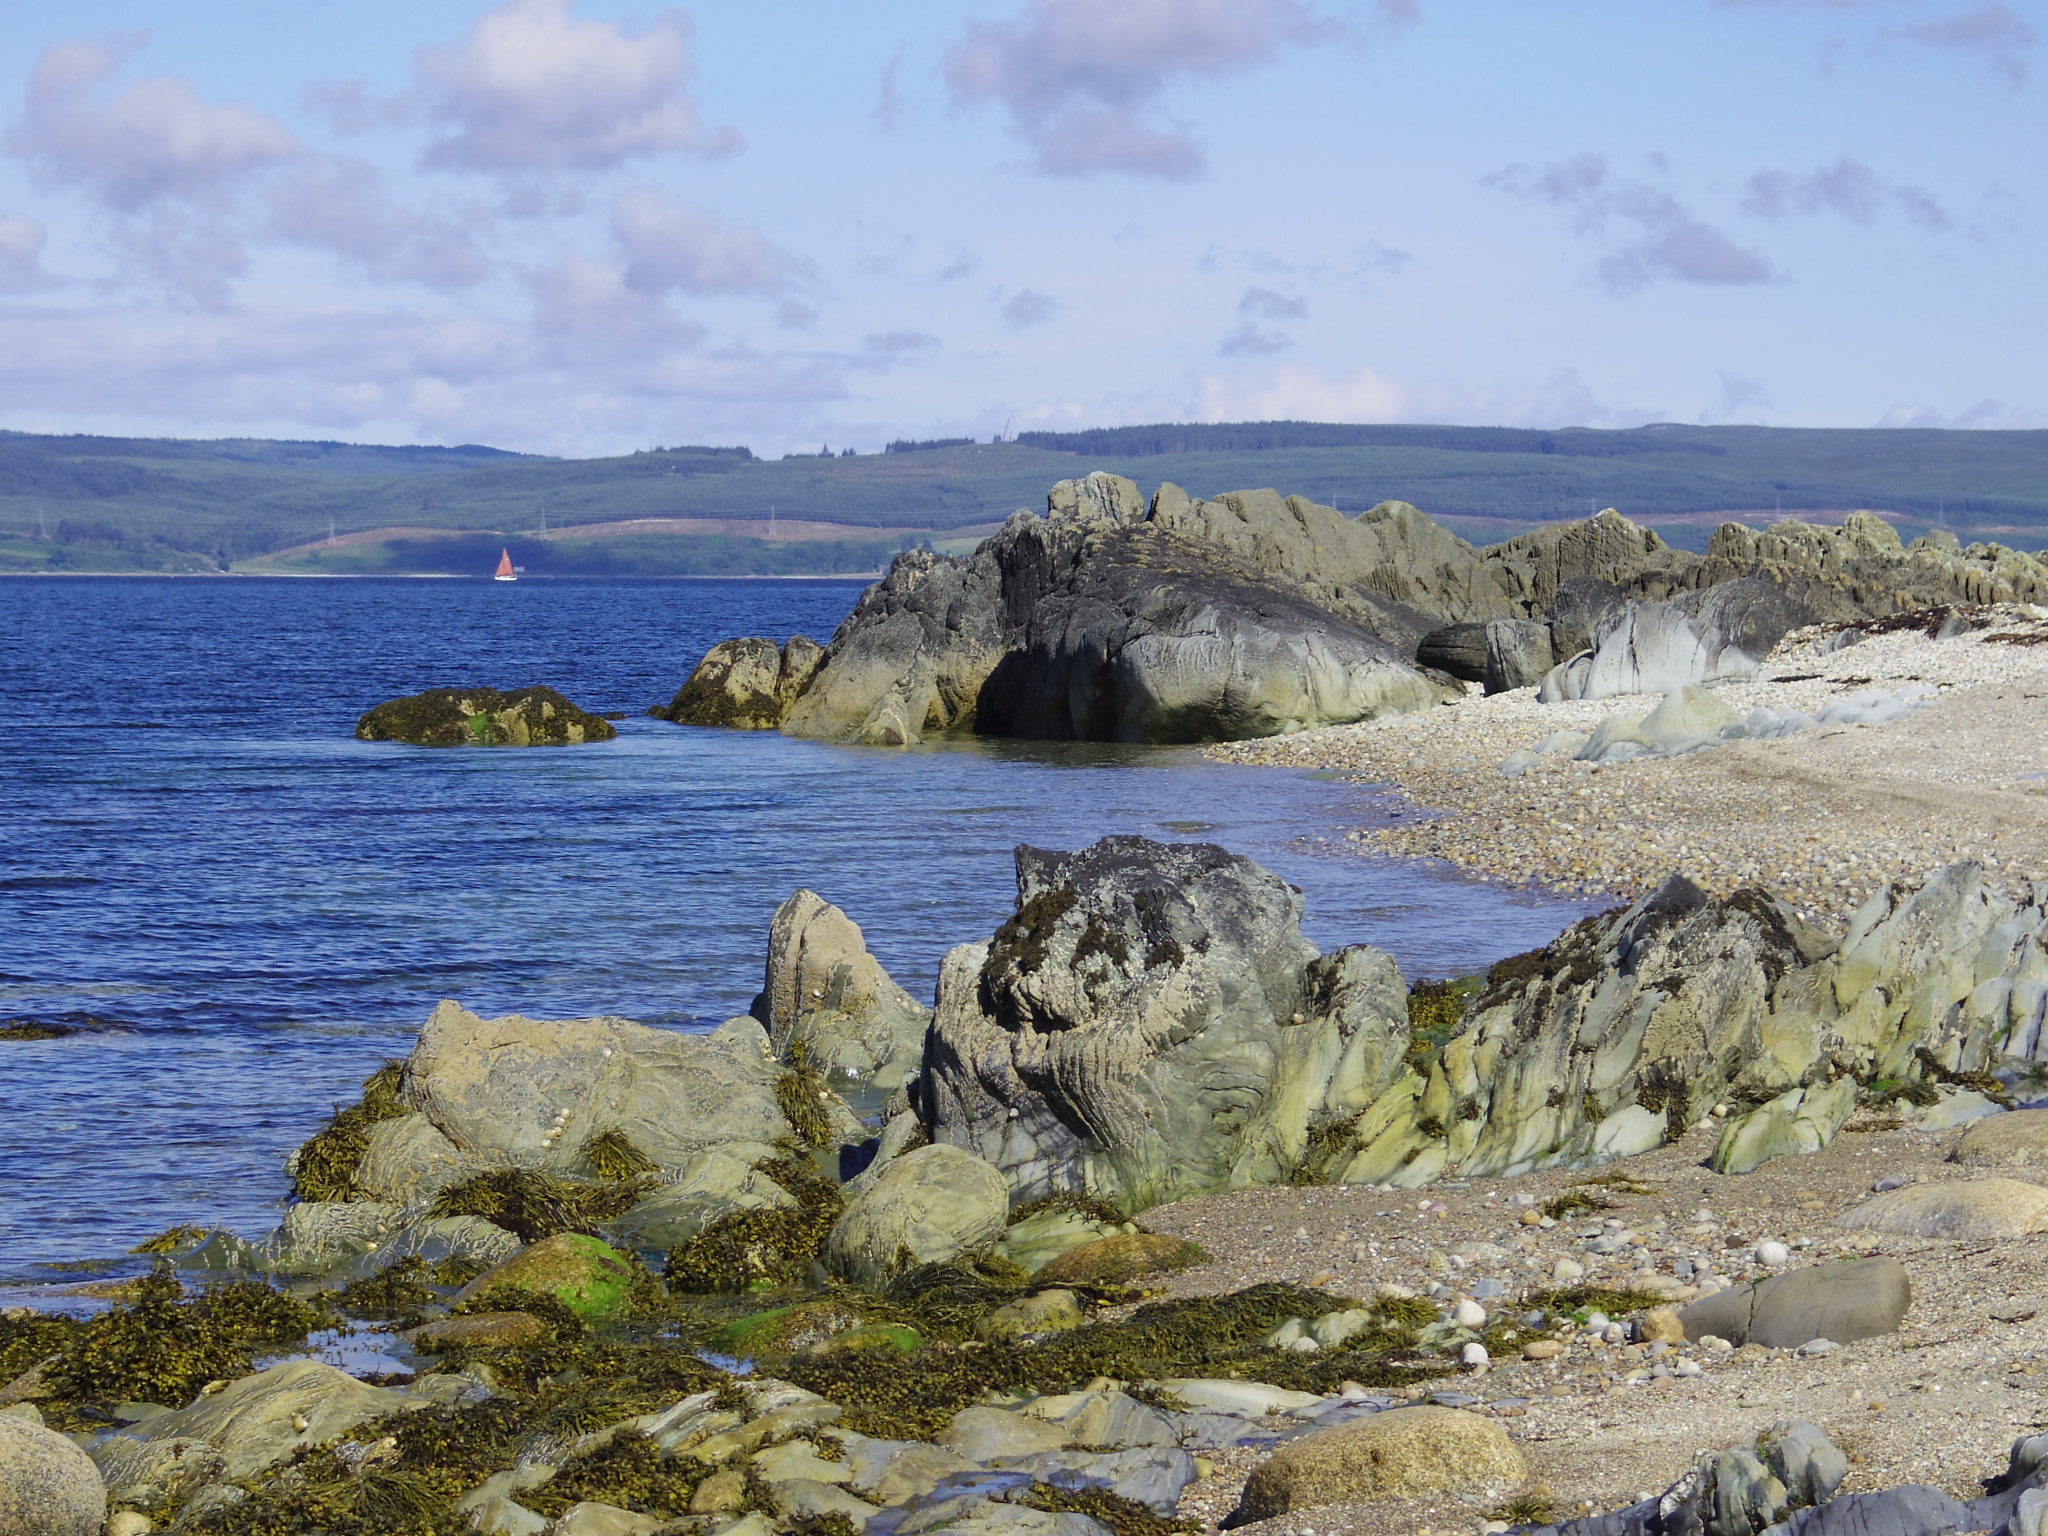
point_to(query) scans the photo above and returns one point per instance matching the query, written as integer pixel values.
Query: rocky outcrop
(483, 717)
(746, 685)
(1648, 648)
(1152, 1025)
(829, 1003)
(1862, 570)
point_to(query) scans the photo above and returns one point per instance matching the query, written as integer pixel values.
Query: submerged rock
(1152, 1025)
(483, 717)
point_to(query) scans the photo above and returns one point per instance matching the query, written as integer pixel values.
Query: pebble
(1819, 1347)
(1469, 1314)
(1890, 1182)
(1772, 1255)
(1473, 1354)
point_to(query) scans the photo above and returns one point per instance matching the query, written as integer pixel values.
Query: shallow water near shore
(194, 848)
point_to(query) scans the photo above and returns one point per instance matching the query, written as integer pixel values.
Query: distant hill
(95, 503)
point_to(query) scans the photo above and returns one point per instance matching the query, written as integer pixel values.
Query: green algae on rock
(483, 717)
(588, 1276)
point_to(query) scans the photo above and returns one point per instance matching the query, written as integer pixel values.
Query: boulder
(1647, 648)
(1575, 612)
(708, 1186)
(1972, 1211)
(746, 685)
(1518, 654)
(1860, 1299)
(937, 1202)
(1152, 1025)
(1039, 1238)
(889, 1472)
(1042, 1312)
(1119, 1259)
(2015, 1140)
(320, 1237)
(483, 717)
(151, 1473)
(1402, 1453)
(593, 1519)
(1537, 570)
(48, 1486)
(830, 1003)
(497, 1089)
(1457, 649)
(258, 1421)
(1689, 717)
(1808, 1464)
(585, 1274)
(479, 1330)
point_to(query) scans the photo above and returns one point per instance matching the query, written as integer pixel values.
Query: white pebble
(1818, 1347)
(1469, 1314)
(1687, 1368)
(1474, 1354)
(1773, 1254)
(1305, 1345)
(607, 1053)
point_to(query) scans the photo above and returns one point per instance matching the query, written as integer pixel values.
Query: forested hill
(148, 503)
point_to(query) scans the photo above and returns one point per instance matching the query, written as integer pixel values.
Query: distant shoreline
(425, 576)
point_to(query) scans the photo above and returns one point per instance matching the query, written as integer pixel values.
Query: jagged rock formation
(483, 717)
(747, 685)
(1152, 1025)
(829, 1003)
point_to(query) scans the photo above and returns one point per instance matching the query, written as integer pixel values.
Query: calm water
(192, 843)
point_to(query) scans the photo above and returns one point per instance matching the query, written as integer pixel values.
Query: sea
(248, 911)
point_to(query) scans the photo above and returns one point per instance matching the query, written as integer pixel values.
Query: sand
(1824, 817)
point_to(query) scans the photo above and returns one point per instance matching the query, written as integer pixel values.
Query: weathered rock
(889, 1472)
(1845, 1302)
(1861, 570)
(1152, 1025)
(319, 1237)
(592, 1519)
(1038, 1239)
(708, 1186)
(1536, 570)
(746, 685)
(1799, 1120)
(1042, 1312)
(1911, 1510)
(2015, 1140)
(1151, 1475)
(982, 1434)
(1120, 1258)
(1805, 1462)
(483, 717)
(1647, 648)
(1105, 1420)
(584, 1274)
(1518, 654)
(830, 1003)
(1972, 1211)
(48, 1486)
(495, 1089)
(937, 1202)
(489, 1330)
(1398, 1454)
(255, 1422)
(409, 1162)
(1575, 612)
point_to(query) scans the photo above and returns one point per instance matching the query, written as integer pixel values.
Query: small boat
(505, 567)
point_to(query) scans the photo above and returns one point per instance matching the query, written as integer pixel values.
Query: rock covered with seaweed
(483, 717)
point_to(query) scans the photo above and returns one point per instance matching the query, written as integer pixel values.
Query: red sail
(505, 563)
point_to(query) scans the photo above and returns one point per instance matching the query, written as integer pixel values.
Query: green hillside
(92, 503)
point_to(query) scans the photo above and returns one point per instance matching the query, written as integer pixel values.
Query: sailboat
(505, 567)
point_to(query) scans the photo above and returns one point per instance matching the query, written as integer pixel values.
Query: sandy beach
(1824, 817)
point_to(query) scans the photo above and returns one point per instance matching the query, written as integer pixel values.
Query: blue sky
(576, 226)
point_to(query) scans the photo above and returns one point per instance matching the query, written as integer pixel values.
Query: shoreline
(1827, 817)
(430, 576)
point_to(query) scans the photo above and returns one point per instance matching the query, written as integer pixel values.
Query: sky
(584, 227)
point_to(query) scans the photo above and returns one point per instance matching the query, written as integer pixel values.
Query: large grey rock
(48, 1486)
(1969, 1211)
(983, 1434)
(1912, 1510)
(409, 1162)
(254, 1421)
(1518, 654)
(1536, 570)
(1459, 649)
(1576, 610)
(831, 1002)
(1152, 1025)
(495, 1087)
(937, 1202)
(1845, 1302)
(149, 1473)
(1808, 1464)
(746, 685)
(320, 1237)
(2015, 1140)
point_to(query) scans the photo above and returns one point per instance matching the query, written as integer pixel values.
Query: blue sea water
(193, 844)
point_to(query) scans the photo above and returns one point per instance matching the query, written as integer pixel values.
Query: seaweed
(170, 1240)
(1020, 946)
(1435, 1009)
(1538, 1506)
(1577, 1202)
(325, 1167)
(400, 1291)
(34, 1029)
(1594, 1298)
(946, 1300)
(533, 1203)
(1085, 1206)
(1124, 1517)
(746, 1248)
(631, 1472)
(1978, 1082)
(612, 1156)
(801, 1094)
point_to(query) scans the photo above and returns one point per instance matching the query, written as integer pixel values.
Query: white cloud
(1985, 414)
(1848, 188)
(1269, 305)
(1668, 240)
(533, 91)
(1028, 307)
(1081, 79)
(1298, 392)
(342, 205)
(671, 244)
(155, 139)
(21, 254)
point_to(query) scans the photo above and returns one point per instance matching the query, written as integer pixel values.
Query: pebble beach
(1826, 816)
